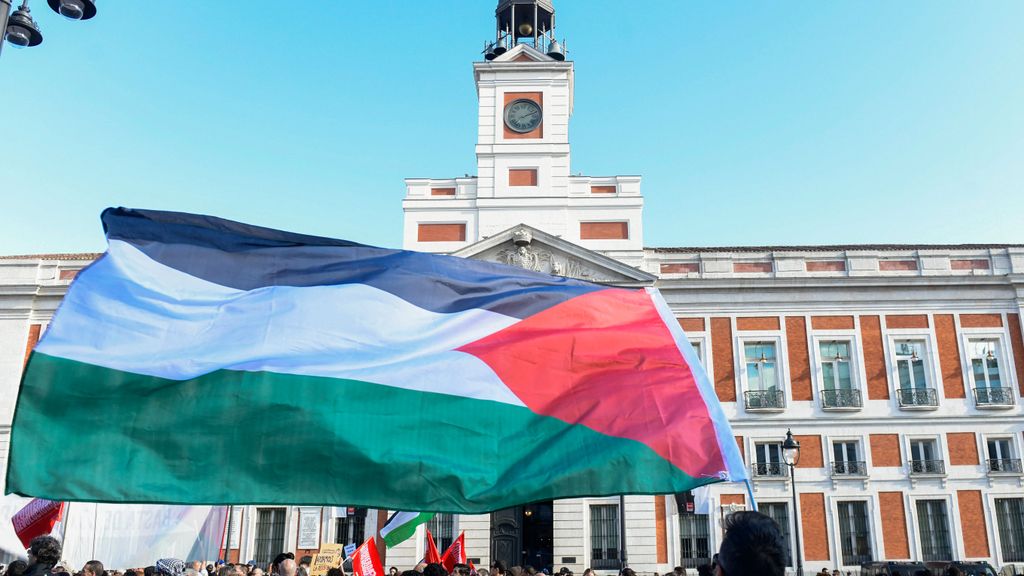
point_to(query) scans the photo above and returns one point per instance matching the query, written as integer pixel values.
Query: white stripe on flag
(128, 312)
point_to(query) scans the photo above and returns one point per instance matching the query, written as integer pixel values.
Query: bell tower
(525, 91)
(524, 85)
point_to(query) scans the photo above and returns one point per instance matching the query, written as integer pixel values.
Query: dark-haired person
(93, 568)
(434, 569)
(16, 568)
(499, 568)
(43, 555)
(752, 546)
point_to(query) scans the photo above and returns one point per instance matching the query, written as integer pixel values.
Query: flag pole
(622, 531)
(227, 539)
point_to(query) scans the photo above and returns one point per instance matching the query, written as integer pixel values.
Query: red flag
(366, 560)
(432, 556)
(455, 554)
(36, 518)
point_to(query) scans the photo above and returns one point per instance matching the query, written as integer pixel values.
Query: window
(441, 233)
(442, 528)
(269, 534)
(698, 347)
(924, 458)
(854, 533)
(352, 528)
(1010, 518)
(933, 528)
(1000, 456)
(604, 536)
(989, 389)
(846, 459)
(768, 460)
(694, 533)
(779, 512)
(522, 177)
(836, 375)
(762, 372)
(912, 375)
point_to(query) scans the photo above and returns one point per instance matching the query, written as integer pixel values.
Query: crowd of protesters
(753, 546)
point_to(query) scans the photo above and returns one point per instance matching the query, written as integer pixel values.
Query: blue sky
(751, 122)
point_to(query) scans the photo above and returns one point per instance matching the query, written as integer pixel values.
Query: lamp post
(21, 30)
(791, 455)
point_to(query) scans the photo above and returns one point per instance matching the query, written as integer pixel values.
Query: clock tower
(524, 85)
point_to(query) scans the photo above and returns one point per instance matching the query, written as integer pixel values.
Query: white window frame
(932, 371)
(940, 453)
(856, 362)
(1009, 437)
(861, 451)
(705, 355)
(1007, 371)
(952, 516)
(873, 525)
(992, 522)
(781, 362)
(586, 503)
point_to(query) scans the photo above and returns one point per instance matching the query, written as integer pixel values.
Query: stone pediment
(533, 249)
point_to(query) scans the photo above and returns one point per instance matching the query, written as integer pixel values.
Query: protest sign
(328, 557)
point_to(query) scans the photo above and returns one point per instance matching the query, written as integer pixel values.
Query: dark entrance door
(524, 535)
(538, 535)
(507, 535)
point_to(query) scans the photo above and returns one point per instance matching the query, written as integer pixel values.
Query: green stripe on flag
(234, 437)
(402, 525)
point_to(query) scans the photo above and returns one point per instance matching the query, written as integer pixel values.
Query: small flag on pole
(432, 556)
(366, 560)
(402, 525)
(455, 554)
(36, 519)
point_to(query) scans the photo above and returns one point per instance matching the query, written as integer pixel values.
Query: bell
(499, 48)
(489, 53)
(526, 29)
(556, 51)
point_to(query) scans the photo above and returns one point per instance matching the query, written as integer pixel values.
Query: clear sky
(751, 122)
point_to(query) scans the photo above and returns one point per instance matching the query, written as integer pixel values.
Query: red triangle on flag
(366, 560)
(455, 554)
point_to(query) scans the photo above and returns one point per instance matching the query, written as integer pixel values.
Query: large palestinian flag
(203, 361)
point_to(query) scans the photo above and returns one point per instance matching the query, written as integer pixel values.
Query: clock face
(523, 115)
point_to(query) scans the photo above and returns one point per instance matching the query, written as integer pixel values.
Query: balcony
(1005, 466)
(927, 468)
(993, 397)
(840, 399)
(764, 400)
(850, 469)
(917, 398)
(769, 470)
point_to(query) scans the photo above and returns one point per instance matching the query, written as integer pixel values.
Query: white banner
(309, 528)
(128, 535)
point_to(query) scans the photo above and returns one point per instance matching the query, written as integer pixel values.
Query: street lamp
(21, 30)
(791, 455)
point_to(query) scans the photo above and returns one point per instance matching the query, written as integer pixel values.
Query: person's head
(149, 571)
(93, 568)
(434, 569)
(392, 571)
(460, 570)
(302, 571)
(516, 571)
(953, 571)
(705, 570)
(835, 572)
(210, 569)
(44, 550)
(499, 568)
(529, 570)
(335, 572)
(16, 568)
(627, 572)
(752, 546)
(679, 571)
(256, 572)
(588, 572)
(483, 572)
(287, 567)
(410, 573)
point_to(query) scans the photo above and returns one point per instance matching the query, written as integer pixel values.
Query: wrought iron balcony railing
(927, 467)
(1006, 465)
(769, 469)
(917, 397)
(993, 396)
(764, 400)
(831, 399)
(850, 468)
